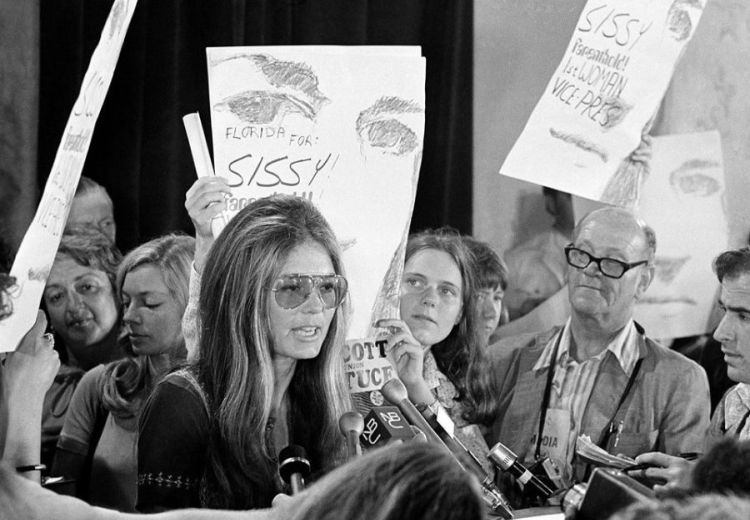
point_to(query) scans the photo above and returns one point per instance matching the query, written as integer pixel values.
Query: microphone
(506, 460)
(385, 424)
(352, 425)
(396, 393)
(445, 428)
(294, 467)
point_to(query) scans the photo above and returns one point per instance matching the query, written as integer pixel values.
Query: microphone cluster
(403, 422)
(395, 392)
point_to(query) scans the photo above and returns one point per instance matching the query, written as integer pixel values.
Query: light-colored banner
(340, 126)
(602, 96)
(684, 201)
(37, 251)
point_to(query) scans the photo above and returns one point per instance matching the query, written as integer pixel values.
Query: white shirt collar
(624, 346)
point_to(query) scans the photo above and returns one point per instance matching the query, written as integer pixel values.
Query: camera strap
(608, 428)
(546, 397)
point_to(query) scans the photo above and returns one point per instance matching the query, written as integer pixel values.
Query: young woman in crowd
(97, 445)
(492, 277)
(81, 301)
(437, 345)
(269, 371)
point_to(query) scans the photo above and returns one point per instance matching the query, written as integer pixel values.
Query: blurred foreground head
(410, 481)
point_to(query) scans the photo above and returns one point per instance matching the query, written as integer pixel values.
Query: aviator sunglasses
(292, 290)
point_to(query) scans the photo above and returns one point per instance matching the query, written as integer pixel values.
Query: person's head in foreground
(410, 481)
(704, 507)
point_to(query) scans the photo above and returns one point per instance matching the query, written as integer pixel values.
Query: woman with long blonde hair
(269, 372)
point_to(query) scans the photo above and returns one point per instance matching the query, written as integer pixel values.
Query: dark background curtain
(139, 151)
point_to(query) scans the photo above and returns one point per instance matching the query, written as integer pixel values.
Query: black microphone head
(395, 391)
(352, 422)
(293, 459)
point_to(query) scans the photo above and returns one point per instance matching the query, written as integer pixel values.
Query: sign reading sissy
(603, 94)
(340, 126)
(39, 246)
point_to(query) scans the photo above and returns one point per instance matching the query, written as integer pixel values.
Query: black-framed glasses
(609, 267)
(292, 290)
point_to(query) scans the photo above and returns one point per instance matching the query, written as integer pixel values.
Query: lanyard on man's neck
(607, 431)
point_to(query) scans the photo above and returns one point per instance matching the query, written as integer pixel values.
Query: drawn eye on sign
(380, 128)
(292, 88)
(679, 24)
(691, 179)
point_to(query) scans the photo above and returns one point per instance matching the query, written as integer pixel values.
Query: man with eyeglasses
(599, 375)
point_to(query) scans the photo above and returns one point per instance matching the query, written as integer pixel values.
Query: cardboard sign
(37, 251)
(684, 201)
(602, 96)
(340, 126)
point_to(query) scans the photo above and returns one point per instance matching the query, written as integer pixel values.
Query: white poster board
(684, 201)
(37, 251)
(340, 126)
(606, 89)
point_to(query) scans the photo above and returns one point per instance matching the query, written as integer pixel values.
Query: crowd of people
(172, 378)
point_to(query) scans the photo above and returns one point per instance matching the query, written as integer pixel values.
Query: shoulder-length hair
(460, 356)
(235, 366)
(88, 246)
(129, 381)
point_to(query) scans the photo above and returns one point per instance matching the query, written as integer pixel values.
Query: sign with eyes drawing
(602, 96)
(340, 126)
(684, 201)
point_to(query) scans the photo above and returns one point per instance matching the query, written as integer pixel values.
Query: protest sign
(36, 253)
(602, 97)
(342, 127)
(684, 201)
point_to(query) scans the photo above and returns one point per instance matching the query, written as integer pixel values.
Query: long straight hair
(235, 366)
(129, 381)
(461, 356)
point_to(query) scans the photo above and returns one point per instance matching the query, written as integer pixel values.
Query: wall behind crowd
(518, 45)
(139, 151)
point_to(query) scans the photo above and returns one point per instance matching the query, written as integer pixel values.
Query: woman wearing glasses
(269, 371)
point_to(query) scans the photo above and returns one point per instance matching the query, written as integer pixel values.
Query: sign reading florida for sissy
(340, 126)
(602, 96)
